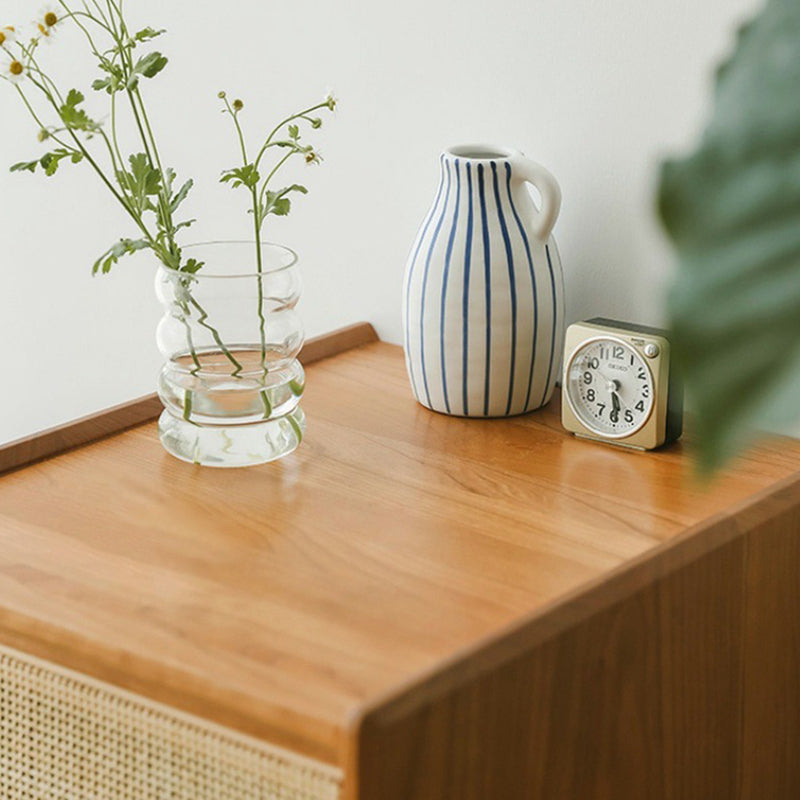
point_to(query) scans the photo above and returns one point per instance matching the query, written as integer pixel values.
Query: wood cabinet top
(282, 599)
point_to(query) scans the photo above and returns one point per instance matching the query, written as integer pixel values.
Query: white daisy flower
(46, 21)
(8, 36)
(13, 71)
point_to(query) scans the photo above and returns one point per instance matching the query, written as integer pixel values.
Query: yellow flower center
(50, 19)
(15, 68)
(2, 38)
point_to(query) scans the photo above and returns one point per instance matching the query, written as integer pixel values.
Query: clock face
(609, 387)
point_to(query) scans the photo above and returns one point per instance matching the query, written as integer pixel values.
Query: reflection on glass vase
(231, 383)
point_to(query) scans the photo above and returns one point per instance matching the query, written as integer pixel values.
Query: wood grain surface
(394, 554)
(676, 677)
(90, 428)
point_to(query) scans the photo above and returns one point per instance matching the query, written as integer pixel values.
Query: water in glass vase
(231, 384)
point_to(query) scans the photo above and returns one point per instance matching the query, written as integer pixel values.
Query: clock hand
(613, 386)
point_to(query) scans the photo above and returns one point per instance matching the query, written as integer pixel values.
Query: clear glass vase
(231, 383)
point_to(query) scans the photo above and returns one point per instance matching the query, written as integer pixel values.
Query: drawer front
(64, 736)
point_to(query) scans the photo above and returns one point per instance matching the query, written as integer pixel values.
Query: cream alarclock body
(619, 385)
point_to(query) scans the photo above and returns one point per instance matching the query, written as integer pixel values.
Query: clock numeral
(628, 415)
(593, 363)
(603, 352)
(587, 378)
(642, 376)
(602, 407)
(618, 352)
(631, 359)
(614, 416)
(590, 395)
(645, 391)
(639, 406)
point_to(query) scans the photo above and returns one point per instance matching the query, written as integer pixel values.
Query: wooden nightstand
(410, 607)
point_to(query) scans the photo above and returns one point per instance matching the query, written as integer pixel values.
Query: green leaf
(142, 181)
(113, 83)
(74, 98)
(117, 250)
(732, 209)
(280, 206)
(181, 195)
(192, 265)
(278, 203)
(185, 224)
(294, 132)
(49, 162)
(148, 66)
(146, 34)
(73, 117)
(241, 176)
(22, 166)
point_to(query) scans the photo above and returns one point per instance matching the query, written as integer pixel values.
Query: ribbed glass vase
(231, 383)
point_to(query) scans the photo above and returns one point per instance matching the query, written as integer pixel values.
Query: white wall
(598, 91)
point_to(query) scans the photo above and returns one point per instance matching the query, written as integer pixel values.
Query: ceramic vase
(483, 300)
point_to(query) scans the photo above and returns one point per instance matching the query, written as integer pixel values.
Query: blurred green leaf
(732, 209)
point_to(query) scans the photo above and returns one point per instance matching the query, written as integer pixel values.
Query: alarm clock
(619, 384)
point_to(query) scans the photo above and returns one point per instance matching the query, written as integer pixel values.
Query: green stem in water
(215, 334)
(187, 404)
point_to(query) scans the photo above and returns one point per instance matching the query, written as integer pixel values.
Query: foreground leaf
(732, 209)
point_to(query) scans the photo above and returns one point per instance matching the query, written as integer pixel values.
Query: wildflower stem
(40, 123)
(74, 16)
(281, 125)
(257, 230)
(274, 171)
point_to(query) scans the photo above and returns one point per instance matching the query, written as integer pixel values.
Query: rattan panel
(67, 737)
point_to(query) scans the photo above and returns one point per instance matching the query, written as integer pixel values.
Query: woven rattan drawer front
(66, 737)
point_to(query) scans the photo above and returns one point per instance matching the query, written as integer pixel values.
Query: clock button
(651, 350)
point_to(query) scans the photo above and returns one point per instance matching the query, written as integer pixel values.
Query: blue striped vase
(483, 300)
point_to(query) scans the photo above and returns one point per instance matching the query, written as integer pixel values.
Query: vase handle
(546, 215)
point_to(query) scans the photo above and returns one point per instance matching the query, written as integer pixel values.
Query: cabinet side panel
(771, 713)
(687, 688)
